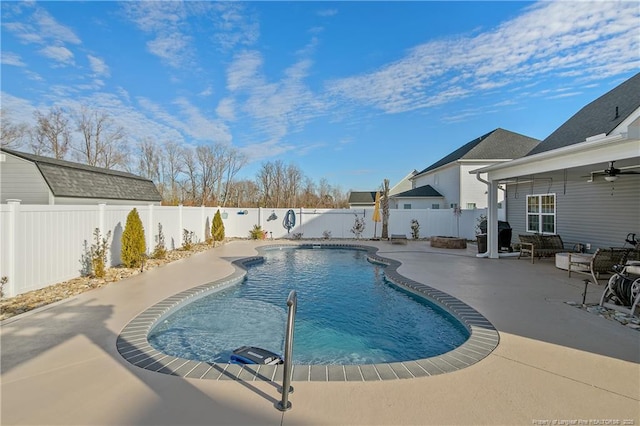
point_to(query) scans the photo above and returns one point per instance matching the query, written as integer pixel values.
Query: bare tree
(149, 155)
(102, 143)
(293, 184)
(51, 135)
(11, 135)
(207, 160)
(171, 169)
(191, 170)
(235, 161)
(264, 181)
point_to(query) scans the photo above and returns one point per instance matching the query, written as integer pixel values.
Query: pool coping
(132, 342)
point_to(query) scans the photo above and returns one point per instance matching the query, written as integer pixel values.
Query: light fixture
(611, 178)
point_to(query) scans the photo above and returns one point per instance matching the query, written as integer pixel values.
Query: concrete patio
(554, 363)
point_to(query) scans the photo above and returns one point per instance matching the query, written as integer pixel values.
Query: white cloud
(243, 72)
(201, 127)
(166, 21)
(172, 47)
(588, 40)
(226, 109)
(234, 27)
(60, 54)
(9, 58)
(49, 28)
(327, 12)
(206, 92)
(98, 66)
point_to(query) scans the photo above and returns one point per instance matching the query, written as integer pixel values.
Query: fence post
(14, 213)
(179, 225)
(101, 208)
(150, 230)
(203, 222)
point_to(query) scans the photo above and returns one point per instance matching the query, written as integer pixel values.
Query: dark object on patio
(536, 245)
(253, 355)
(504, 235)
(602, 262)
(623, 290)
(398, 239)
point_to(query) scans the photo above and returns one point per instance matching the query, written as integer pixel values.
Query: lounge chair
(601, 263)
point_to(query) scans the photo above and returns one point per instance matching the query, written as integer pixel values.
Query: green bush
(217, 228)
(98, 254)
(160, 251)
(256, 233)
(188, 238)
(133, 242)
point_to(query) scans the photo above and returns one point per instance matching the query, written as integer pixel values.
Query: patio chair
(602, 262)
(536, 245)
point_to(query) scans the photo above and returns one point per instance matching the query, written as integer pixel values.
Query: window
(406, 206)
(541, 213)
(453, 205)
(471, 206)
(435, 206)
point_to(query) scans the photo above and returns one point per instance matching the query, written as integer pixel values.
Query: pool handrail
(292, 303)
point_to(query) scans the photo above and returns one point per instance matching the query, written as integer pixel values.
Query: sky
(351, 92)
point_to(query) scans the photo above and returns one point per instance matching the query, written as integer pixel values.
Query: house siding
(446, 181)
(21, 179)
(581, 214)
(472, 190)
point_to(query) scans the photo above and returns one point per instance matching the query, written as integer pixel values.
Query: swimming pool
(133, 345)
(348, 313)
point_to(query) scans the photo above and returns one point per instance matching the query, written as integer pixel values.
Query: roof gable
(421, 191)
(497, 144)
(69, 179)
(602, 115)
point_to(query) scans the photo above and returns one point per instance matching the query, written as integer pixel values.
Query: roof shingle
(69, 179)
(602, 115)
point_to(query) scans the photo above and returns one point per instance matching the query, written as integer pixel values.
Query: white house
(449, 177)
(582, 182)
(34, 179)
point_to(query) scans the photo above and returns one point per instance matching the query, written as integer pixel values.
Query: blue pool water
(347, 314)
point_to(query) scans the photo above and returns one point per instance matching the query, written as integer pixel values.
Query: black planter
(482, 243)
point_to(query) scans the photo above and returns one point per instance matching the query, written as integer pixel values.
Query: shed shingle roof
(596, 118)
(498, 144)
(362, 197)
(69, 179)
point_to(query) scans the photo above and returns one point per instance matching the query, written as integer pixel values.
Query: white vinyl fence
(41, 245)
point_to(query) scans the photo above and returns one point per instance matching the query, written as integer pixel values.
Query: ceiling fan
(611, 173)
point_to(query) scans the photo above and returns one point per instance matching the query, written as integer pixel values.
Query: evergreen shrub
(133, 243)
(217, 228)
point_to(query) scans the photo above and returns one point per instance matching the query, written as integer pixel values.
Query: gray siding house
(34, 179)
(582, 182)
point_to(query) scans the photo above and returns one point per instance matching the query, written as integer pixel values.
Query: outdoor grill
(504, 234)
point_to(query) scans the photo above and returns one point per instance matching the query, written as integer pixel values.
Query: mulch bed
(24, 302)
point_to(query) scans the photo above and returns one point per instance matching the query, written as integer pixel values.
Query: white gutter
(553, 153)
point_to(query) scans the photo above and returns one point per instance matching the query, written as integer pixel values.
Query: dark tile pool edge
(133, 346)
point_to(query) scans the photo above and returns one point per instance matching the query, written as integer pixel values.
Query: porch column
(492, 220)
